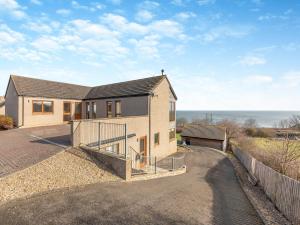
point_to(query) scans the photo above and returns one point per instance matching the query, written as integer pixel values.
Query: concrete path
(20, 148)
(208, 193)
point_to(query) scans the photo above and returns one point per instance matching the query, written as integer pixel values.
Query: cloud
(185, 15)
(36, 2)
(115, 2)
(149, 5)
(46, 44)
(225, 31)
(9, 36)
(94, 6)
(178, 2)
(292, 78)
(38, 27)
(12, 8)
(252, 60)
(63, 12)
(122, 25)
(144, 16)
(147, 46)
(206, 2)
(259, 79)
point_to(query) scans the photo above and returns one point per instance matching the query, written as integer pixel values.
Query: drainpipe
(149, 112)
(22, 111)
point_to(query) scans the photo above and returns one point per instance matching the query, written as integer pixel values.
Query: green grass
(178, 137)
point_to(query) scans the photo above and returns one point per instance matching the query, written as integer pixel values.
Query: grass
(268, 144)
(178, 137)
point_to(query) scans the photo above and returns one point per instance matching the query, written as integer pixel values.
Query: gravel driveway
(20, 148)
(208, 193)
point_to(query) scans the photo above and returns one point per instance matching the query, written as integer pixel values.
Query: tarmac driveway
(208, 193)
(20, 148)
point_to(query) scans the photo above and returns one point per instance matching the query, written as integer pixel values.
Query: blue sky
(218, 54)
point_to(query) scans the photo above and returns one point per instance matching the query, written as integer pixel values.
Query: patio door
(67, 111)
(78, 110)
(143, 151)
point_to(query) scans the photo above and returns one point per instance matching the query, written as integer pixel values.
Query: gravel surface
(208, 194)
(265, 208)
(59, 171)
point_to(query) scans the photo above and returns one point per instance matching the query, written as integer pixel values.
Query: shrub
(6, 122)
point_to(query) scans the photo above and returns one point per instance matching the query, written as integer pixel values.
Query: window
(109, 109)
(87, 110)
(67, 111)
(172, 134)
(118, 108)
(43, 107)
(93, 110)
(156, 138)
(172, 111)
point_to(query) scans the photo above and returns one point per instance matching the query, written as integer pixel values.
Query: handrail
(133, 149)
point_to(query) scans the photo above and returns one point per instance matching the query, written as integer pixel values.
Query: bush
(6, 122)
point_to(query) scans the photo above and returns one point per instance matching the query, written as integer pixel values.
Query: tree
(287, 155)
(294, 122)
(181, 121)
(233, 129)
(250, 126)
(250, 123)
(284, 124)
(201, 121)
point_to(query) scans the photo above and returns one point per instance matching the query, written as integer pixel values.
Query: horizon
(222, 55)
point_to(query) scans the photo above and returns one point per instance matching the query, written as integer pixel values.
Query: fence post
(173, 161)
(155, 164)
(125, 126)
(99, 135)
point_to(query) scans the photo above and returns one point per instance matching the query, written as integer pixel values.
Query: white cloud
(149, 5)
(147, 46)
(38, 27)
(115, 2)
(185, 15)
(63, 12)
(178, 2)
(252, 60)
(12, 8)
(46, 44)
(167, 28)
(36, 2)
(258, 79)
(206, 2)
(144, 16)
(222, 32)
(292, 78)
(9, 36)
(91, 7)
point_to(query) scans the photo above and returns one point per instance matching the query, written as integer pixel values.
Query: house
(146, 106)
(205, 135)
(2, 105)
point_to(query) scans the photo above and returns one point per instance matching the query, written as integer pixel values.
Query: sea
(263, 118)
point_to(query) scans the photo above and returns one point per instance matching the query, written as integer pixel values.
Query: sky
(218, 54)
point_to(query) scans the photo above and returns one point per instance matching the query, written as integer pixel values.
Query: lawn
(178, 136)
(275, 153)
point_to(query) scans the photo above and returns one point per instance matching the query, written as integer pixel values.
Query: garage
(205, 136)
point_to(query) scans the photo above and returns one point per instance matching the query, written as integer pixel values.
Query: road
(208, 193)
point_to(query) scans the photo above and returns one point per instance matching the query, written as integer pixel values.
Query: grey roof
(123, 89)
(32, 87)
(204, 131)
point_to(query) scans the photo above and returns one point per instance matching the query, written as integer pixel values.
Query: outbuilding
(205, 135)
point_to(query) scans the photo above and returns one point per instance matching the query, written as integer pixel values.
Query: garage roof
(204, 131)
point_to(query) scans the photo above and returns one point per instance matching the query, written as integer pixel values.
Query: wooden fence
(282, 190)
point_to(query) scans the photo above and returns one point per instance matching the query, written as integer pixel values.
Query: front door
(78, 110)
(67, 111)
(143, 151)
